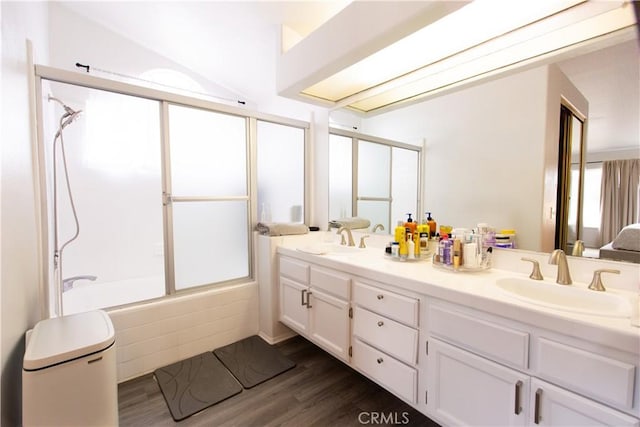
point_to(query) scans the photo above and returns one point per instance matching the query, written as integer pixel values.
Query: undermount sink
(566, 297)
(330, 249)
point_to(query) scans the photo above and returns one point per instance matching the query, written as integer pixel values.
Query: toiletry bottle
(423, 236)
(416, 244)
(403, 250)
(399, 231)
(411, 247)
(432, 225)
(410, 225)
(457, 253)
(395, 249)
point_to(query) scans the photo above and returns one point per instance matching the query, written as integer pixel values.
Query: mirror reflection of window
(386, 173)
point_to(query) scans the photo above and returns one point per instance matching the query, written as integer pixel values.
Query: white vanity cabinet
(480, 372)
(385, 337)
(314, 302)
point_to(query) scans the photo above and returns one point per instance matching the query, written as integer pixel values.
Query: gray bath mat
(194, 384)
(253, 361)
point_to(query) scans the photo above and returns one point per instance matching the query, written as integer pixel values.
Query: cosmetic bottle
(416, 244)
(432, 225)
(410, 225)
(403, 250)
(411, 247)
(399, 231)
(457, 253)
(423, 239)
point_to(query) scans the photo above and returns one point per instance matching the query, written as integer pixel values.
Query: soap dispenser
(410, 225)
(432, 225)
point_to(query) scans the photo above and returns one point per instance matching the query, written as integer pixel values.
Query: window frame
(356, 137)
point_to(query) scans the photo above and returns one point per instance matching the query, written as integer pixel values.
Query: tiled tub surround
(547, 363)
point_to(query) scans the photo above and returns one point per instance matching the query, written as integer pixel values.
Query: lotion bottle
(411, 247)
(432, 225)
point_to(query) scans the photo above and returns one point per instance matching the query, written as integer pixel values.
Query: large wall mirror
(491, 147)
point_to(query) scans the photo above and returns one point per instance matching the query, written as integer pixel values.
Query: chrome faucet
(67, 284)
(559, 258)
(377, 227)
(349, 235)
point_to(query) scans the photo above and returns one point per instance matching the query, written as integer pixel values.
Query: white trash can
(69, 372)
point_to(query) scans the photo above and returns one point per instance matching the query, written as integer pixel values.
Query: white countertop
(476, 290)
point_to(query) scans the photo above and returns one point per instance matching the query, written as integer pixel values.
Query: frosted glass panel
(210, 242)
(374, 161)
(374, 211)
(340, 180)
(208, 153)
(280, 173)
(114, 164)
(405, 184)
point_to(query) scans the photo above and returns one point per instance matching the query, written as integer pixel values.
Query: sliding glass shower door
(208, 196)
(113, 163)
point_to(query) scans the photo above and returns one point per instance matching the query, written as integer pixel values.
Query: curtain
(619, 197)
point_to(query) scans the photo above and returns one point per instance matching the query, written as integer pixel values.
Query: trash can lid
(65, 338)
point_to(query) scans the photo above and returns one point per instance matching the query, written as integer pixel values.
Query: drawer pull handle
(304, 291)
(536, 410)
(380, 296)
(518, 407)
(380, 323)
(379, 360)
(308, 299)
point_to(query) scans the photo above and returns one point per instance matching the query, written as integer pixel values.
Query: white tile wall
(153, 335)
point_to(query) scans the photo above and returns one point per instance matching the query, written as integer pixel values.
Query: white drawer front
(384, 369)
(331, 281)
(608, 380)
(388, 335)
(498, 342)
(395, 306)
(296, 270)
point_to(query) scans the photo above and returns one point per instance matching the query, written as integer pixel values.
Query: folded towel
(280, 228)
(351, 223)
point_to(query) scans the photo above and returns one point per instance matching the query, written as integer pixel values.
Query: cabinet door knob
(380, 323)
(379, 360)
(380, 296)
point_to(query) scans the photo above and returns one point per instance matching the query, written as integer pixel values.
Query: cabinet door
(330, 323)
(555, 406)
(293, 308)
(465, 389)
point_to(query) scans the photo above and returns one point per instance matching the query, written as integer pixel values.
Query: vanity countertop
(476, 290)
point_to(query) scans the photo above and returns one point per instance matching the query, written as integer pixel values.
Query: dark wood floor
(319, 391)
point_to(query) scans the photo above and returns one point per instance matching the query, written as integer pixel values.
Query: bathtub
(87, 295)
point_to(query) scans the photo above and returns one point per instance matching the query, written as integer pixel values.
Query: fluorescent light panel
(498, 33)
(493, 56)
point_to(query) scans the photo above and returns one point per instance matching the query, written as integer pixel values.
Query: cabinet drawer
(295, 270)
(495, 341)
(395, 306)
(384, 369)
(388, 335)
(605, 379)
(330, 281)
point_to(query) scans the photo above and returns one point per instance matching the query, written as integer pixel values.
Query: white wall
(18, 230)
(484, 152)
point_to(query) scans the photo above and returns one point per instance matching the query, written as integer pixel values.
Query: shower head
(69, 112)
